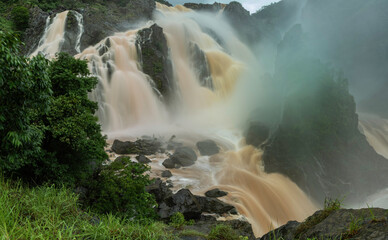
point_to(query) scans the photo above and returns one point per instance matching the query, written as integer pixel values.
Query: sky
(250, 5)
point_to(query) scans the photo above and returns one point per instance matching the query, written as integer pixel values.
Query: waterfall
(129, 102)
(52, 39)
(80, 21)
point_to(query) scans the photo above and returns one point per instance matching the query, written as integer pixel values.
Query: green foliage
(25, 91)
(119, 188)
(48, 131)
(223, 232)
(354, 227)
(20, 17)
(178, 221)
(53, 213)
(73, 139)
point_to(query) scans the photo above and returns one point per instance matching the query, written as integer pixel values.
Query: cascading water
(52, 38)
(128, 102)
(80, 21)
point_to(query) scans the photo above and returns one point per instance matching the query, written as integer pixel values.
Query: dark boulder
(208, 147)
(256, 134)
(166, 174)
(168, 163)
(184, 202)
(141, 146)
(184, 156)
(160, 190)
(153, 54)
(215, 193)
(213, 205)
(143, 159)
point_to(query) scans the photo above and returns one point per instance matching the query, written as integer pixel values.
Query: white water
(80, 21)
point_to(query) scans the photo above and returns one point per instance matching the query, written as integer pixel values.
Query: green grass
(51, 213)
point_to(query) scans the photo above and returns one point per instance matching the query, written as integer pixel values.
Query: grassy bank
(50, 213)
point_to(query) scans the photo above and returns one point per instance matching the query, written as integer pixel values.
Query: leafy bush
(48, 131)
(25, 92)
(20, 17)
(119, 188)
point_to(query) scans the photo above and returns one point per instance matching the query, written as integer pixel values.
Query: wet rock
(141, 146)
(160, 190)
(166, 174)
(184, 156)
(72, 30)
(208, 147)
(168, 163)
(154, 56)
(183, 201)
(143, 159)
(213, 205)
(256, 134)
(215, 193)
(200, 64)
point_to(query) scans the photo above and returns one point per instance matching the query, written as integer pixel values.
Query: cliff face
(317, 142)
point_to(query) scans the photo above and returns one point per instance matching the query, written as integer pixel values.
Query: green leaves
(48, 130)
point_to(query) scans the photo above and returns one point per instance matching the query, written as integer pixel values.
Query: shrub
(119, 188)
(20, 17)
(223, 232)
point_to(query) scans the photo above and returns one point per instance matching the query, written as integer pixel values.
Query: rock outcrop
(369, 223)
(154, 57)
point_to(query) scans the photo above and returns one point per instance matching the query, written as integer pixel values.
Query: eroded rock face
(200, 64)
(154, 54)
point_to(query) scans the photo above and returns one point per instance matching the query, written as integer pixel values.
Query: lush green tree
(48, 130)
(20, 17)
(73, 138)
(25, 92)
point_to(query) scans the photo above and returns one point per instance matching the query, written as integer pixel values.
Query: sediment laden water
(128, 101)
(52, 39)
